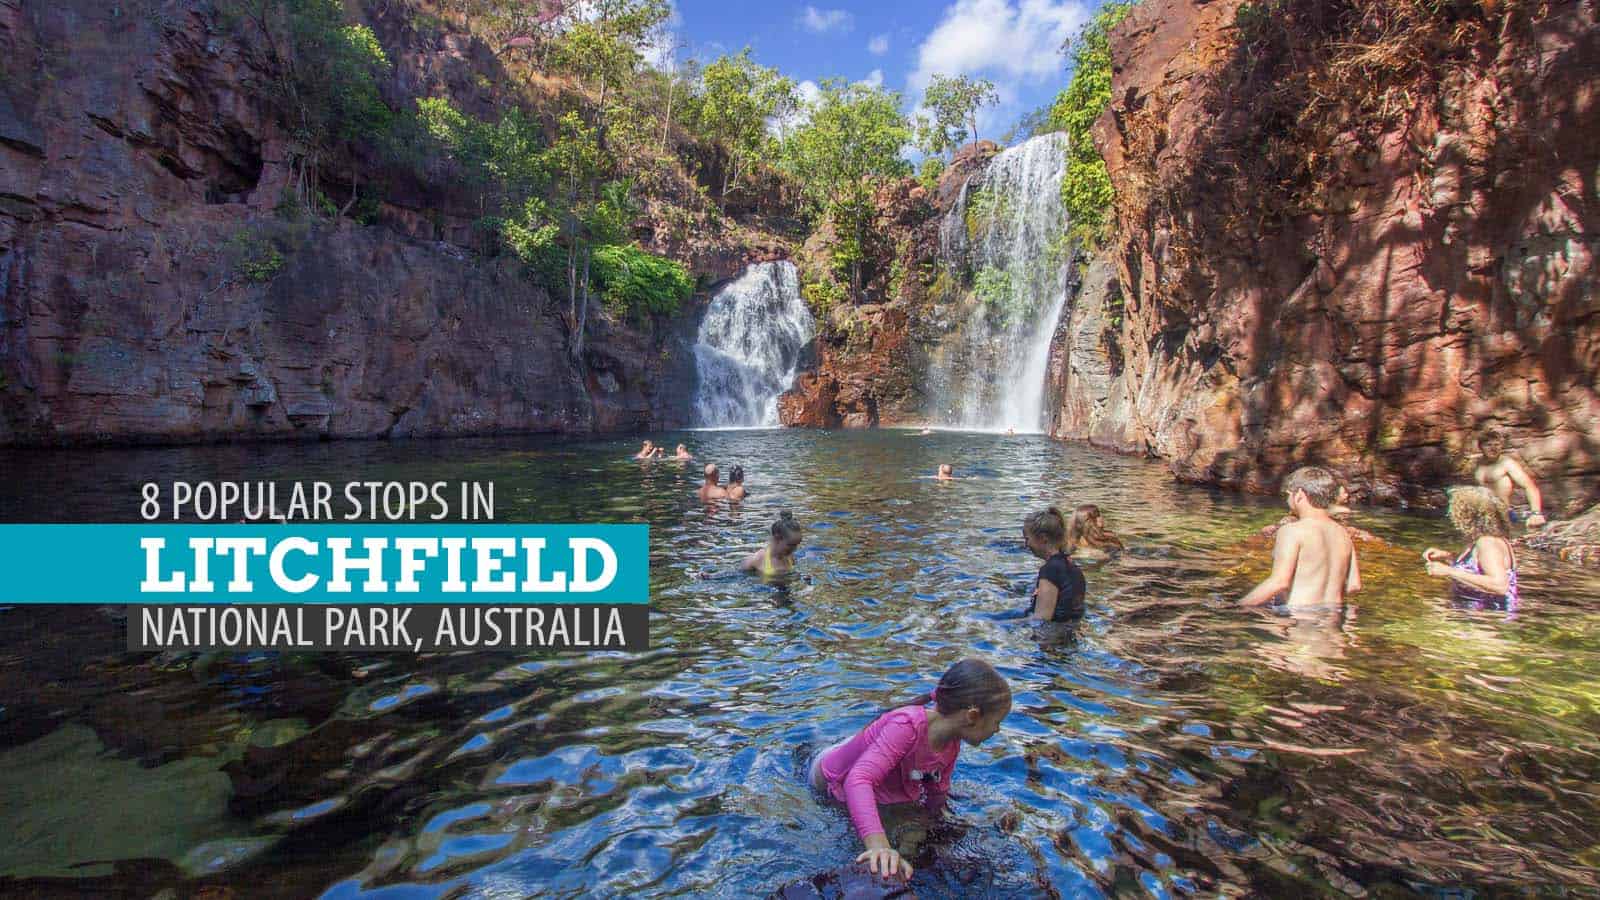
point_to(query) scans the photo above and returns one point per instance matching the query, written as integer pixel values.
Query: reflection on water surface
(1172, 744)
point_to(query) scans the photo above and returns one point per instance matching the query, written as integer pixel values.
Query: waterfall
(749, 346)
(1008, 231)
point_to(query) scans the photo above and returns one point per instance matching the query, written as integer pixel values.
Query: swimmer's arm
(1044, 604)
(1352, 584)
(1521, 478)
(890, 746)
(751, 562)
(1285, 555)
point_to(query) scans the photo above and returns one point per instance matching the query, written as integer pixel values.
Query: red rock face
(1363, 296)
(148, 291)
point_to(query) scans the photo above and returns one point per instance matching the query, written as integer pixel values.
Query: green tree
(737, 98)
(953, 105)
(605, 49)
(850, 144)
(1086, 185)
(324, 80)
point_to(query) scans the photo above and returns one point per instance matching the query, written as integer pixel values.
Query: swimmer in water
(659, 453)
(1486, 572)
(1087, 535)
(946, 472)
(1011, 432)
(712, 489)
(1341, 513)
(777, 557)
(736, 489)
(1503, 473)
(683, 453)
(1313, 560)
(1059, 589)
(908, 755)
(925, 432)
(645, 451)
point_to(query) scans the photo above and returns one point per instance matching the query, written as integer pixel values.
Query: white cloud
(823, 21)
(808, 92)
(1011, 42)
(874, 79)
(879, 45)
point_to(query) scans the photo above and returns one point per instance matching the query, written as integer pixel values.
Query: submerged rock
(845, 883)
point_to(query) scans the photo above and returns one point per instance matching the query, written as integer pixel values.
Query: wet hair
(711, 471)
(786, 527)
(1048, 524)
(1319, 484)
(1476, 512)
(1088, 529)
(946, 467)
(1489, 434)
(737, 475)
(970, 682)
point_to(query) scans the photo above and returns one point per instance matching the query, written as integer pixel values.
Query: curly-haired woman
(1487, 571)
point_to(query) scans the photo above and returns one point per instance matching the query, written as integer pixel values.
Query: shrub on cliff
(635, 283)
(1086, 185)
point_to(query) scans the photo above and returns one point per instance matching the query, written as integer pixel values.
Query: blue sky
(1015, 43)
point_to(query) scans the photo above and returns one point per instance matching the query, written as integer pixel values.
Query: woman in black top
(1058, 592)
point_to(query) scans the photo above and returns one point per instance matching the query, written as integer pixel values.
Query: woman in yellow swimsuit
(777, 557)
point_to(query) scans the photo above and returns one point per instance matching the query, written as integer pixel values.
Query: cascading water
(749, 346)
(1008, 229)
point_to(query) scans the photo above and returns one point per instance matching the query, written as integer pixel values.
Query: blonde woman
(1487, 570)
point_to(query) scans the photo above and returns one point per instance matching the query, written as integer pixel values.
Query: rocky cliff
(151, 287)
(1345, 232)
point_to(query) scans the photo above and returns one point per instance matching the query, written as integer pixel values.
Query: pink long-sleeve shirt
(889, 762)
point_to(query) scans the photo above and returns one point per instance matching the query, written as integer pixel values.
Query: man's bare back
(1324, 561)
(1313, 560)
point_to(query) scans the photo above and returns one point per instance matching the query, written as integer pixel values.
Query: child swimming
(908, 754)
(1087, 534)
(777, 557)
(1059, 589)
(1313, 560)
(736, 490)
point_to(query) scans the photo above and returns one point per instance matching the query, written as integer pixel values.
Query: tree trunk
(355, 182)
(583, 312)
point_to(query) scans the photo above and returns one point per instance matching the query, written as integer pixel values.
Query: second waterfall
(1007, 233)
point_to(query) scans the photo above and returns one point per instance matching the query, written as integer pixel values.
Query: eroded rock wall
(148, 290)
(1365, 295)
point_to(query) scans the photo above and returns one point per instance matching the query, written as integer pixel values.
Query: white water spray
(1009, 226)
(749, 346)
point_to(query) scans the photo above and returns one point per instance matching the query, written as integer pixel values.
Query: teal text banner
(367, 563)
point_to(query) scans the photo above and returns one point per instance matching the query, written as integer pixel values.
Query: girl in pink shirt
(907, 754)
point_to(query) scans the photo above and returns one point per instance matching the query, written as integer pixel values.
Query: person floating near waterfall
(646, 451)
(736, 490)
(712, 489)
(1502, 474)
(1058, 591)
(1313, 559)
(777, 557)
(1088, 537)
(683, 454)
(946, 472)
(908, 755)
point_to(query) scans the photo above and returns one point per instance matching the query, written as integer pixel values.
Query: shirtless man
(645, 451)
(1312, 558)
(711, 490)
(1503, 474)
(683, 453)
(946, 473)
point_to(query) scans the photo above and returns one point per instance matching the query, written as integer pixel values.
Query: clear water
(1173, 744)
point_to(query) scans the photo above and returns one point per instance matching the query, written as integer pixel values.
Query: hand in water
(888, 859)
